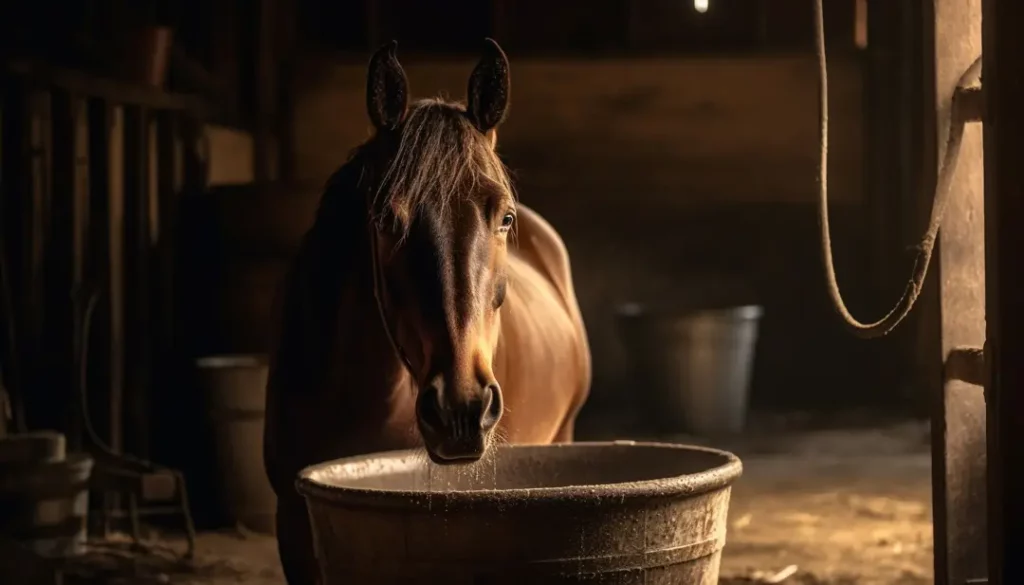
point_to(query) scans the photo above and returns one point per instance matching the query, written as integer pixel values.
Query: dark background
(675, 152)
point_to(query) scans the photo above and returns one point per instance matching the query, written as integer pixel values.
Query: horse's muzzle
(457, 431)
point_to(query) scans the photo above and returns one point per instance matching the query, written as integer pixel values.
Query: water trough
(610, 513)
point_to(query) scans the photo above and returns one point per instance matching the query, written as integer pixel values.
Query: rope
(943, 185)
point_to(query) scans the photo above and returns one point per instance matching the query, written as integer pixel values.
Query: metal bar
(958, 417)
(1004, 231)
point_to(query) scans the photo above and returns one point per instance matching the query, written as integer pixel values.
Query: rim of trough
(691, 484)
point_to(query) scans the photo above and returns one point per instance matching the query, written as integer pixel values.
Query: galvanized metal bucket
(691, 371)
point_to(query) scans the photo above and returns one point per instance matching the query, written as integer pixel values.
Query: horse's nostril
(493, 407)
(429, 408)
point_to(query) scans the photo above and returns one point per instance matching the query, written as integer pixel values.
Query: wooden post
(115, 278)
(99, 124)
(958, 416)
(66, 265)
(136, 273)
(80, 246)
(1004, 231)
(40, 143)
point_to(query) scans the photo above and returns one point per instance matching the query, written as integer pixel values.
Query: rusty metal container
(619, 513)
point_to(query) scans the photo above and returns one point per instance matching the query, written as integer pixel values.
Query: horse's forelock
(440, 159)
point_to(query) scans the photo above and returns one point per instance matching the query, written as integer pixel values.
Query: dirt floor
(841, 507)
(835, 507)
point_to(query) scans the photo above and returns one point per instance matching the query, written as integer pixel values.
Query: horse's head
(442, 208)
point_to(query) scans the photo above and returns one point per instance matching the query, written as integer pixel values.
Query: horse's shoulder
(543, 250)
(541, 246)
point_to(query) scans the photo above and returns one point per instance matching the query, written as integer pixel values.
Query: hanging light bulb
(701, 6)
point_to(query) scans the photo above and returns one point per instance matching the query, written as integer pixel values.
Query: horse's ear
(489, 85)
(387, 89)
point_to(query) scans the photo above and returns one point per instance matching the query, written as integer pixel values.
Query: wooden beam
(958, 417)
(41, 75)
(1004, 230)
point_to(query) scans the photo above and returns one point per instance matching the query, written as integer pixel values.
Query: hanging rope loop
(965, 107)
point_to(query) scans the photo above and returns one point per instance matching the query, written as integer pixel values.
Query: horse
(426, 307)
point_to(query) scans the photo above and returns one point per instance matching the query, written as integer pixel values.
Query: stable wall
(662, 175)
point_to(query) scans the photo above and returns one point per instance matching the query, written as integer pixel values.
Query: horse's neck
(361, 358)
(362, 347)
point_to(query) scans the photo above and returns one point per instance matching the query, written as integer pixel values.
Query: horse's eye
(506, 221)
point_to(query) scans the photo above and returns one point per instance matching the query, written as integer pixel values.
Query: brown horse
(426, 307)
